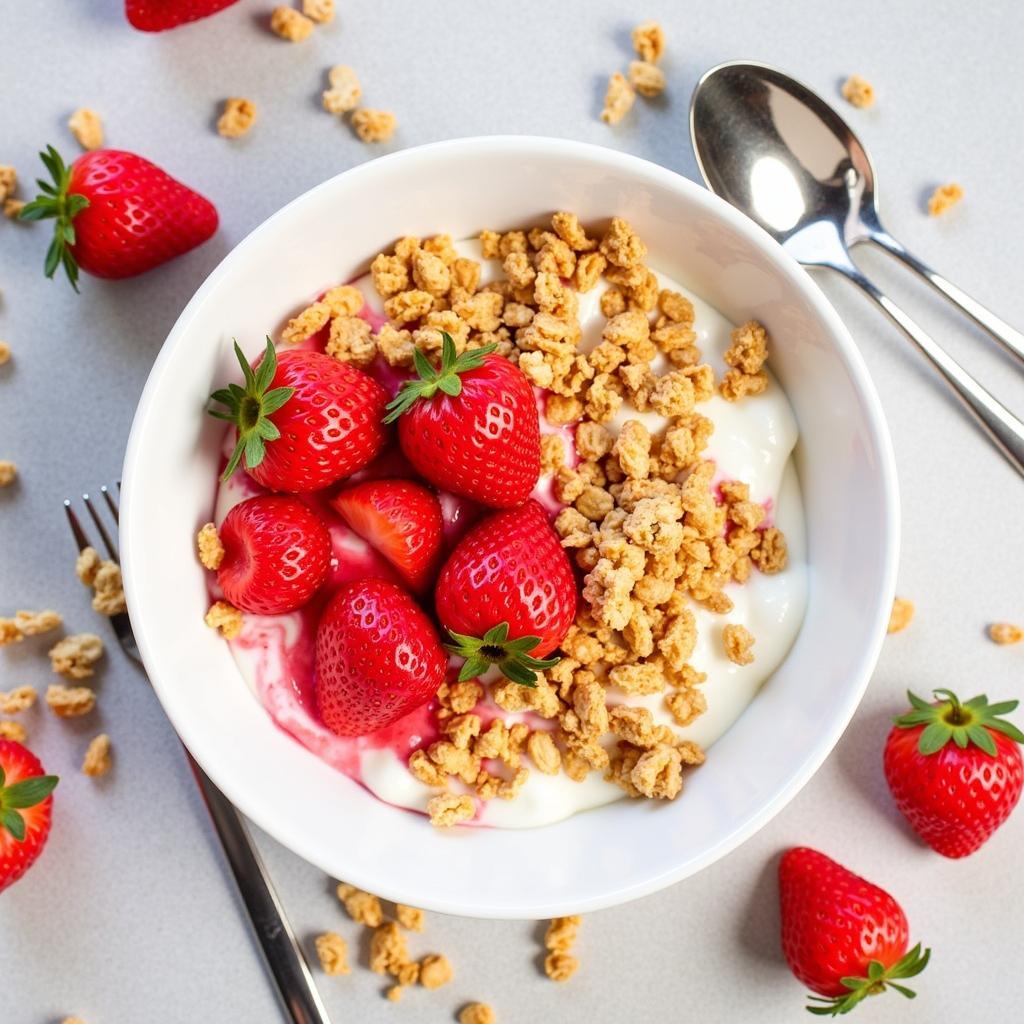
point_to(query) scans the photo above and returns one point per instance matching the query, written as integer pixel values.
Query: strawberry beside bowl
(609, 854)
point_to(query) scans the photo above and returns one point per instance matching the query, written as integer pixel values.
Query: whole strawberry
(843, 937)
(304, 419)
(399, 518)
(157, 15)
(25, 804)
(471, 427)
(507, 594)
(954, 794)
(117, 215)
(277, 554)
(377, 658)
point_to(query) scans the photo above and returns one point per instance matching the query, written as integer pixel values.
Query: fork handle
(1009, 337)
(277, 940)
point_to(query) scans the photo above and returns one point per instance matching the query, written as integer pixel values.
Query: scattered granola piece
(332, 952)
(8, 472)
(646, 78)
(561, 933)
(858, 91)
(72, 1020)
(108, 598)
(70, 701)
(97, 756)
(374, 125)
(13, 731)
(13, 631)
(388, 950)
(5, 352)
(225, 617)
(447, 809)
(395, 993)
(87, 565)
(477, 1013)
(435, 971)
(1005, 633)
(560, 966)
(238, 117)
(8, 181)
(409, 917)
(738, 640)
(13, 208)
(618, 100)
(75, 655)
(211, 551)
(345, 91)
(944, 197)
(290, 24)
(649, 41)
(319, 10)
(21, 698)
(87, 128)
(312, 319)
(362, 907)
(901, 614)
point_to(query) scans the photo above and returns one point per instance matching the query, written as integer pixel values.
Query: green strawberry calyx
(431, 379)
(54, 200)
(879, 978)
(512, 657)
(250, 407)
(972, 721)
(18, 796)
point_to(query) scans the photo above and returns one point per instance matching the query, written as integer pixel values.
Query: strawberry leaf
(512, 657)
(28, 792)
(969, 723)
(879, 978)
(14, 823)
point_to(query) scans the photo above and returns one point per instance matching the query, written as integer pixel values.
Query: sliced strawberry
(277, 554)
(399, 518)
(377, 658)
(25, 805)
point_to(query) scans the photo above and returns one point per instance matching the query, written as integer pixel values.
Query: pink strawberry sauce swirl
(281, 648)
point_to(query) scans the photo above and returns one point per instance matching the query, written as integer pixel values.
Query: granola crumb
(13, 208)
(312, 319)
(290, 24)
(108, 598)
(560, 966)
(5, 353)
(345, 91)
(21, 698)
(738, 640)
(435, 971)
(477, 1013)
(224, 617)
(410, 917)
(944, 198)
(14, 731)
(1005, 633)
(362, 907)
(97, 756)
(561, 933)
(87, 128)
(901, 614)
(858, 91)
(646, 78)
(618, 99)
(211, 550)
(388, 950)
(374, 125)
(75, 655)
(8, 181)
(447, 809)
(649, 41)
(321, 11)
(70, 701)
(8, 472)
(26, 624)
(394, 993)
(238, 117)
(87, 565)
(332, 952)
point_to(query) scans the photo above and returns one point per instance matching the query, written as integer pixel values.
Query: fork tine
(80, 538)
(111, 502)
(107, 542)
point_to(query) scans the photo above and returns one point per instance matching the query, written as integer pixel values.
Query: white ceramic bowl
(604, 856)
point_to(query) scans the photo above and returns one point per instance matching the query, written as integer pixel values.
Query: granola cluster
(238, 116)
(645, 77)
(87, 128)
(944, 198)
(858, 91)
(559, 964)
(104, 577)
(10, 205)
(343, 96)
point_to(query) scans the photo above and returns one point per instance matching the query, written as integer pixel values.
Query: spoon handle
(1003, 428)
(1009, 337)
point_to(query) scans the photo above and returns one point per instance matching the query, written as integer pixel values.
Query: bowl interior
(844, 461)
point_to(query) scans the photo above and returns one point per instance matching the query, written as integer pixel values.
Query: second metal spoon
(774, 149)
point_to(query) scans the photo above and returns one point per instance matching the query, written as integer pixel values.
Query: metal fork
(280, 947)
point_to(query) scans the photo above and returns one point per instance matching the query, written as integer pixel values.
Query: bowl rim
(876, 427)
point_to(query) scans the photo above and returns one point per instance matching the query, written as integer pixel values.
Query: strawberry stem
(250, 407)
(494, 648)
(879, 978)
(430, 381)
(54, 200)
(971, 721)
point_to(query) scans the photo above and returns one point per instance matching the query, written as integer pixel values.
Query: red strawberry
(508, 577)
(472, 426)
(955, 795)
(377, 658)
(117, 215)
(25, 803)
(304, 420)
(843, 937)
(157, 15)
(277, 553)
(402, 520)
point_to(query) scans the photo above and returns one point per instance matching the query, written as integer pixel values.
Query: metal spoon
(778, 152)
